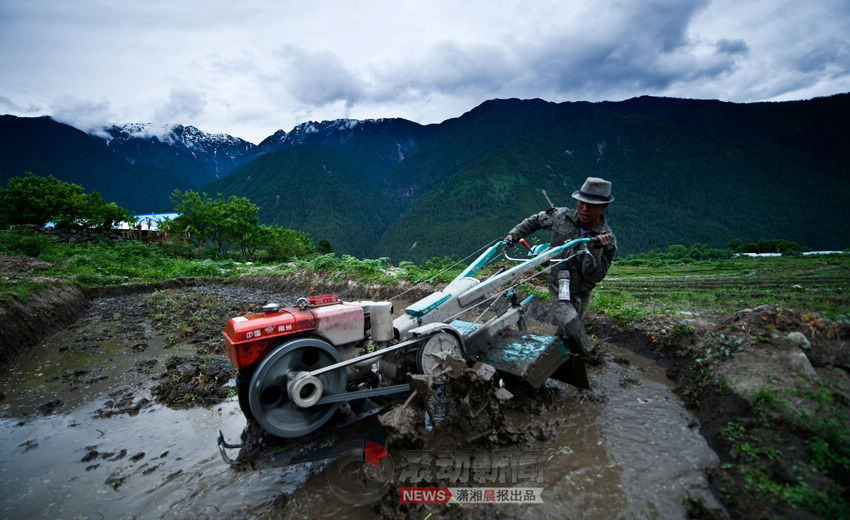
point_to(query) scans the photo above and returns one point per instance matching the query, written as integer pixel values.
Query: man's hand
(604, 240)
(510, 239)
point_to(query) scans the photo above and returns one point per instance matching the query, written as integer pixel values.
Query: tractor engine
(272, 348)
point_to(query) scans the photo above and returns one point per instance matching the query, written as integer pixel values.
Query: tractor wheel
(268, 393)
(433, 353)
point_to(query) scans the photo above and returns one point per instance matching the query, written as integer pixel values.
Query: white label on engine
(240, 318)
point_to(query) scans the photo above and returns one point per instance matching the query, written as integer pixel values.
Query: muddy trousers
(568, 317)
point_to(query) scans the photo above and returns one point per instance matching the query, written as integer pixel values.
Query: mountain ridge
(684, 171)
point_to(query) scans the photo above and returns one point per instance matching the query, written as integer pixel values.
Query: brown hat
(594, 191)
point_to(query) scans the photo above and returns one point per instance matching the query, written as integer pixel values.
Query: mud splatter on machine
(298, 364)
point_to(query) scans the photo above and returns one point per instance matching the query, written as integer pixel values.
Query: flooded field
(86, 437)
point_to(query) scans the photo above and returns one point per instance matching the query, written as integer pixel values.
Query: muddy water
(625, 449)
(629, 450)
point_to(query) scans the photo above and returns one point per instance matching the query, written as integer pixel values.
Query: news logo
(481, 495)
(362, 472)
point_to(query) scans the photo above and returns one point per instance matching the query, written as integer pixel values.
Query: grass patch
(622, 310)
(98, 263)
(811, 283)
(808, 475)
(20, 290)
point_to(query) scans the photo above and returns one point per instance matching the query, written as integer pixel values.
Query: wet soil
(117, 412)
(770, 388)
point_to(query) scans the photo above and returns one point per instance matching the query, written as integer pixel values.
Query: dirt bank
(25, 323)
(771, 390)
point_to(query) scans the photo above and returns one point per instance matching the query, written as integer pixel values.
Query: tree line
(226, 226)
(233, 224)
(32, 199)
(699, 251)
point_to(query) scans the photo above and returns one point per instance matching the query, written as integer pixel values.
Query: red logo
(373, 453)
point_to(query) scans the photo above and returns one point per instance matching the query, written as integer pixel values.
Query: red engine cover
(249, 338)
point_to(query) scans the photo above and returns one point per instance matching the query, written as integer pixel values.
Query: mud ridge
(749, 378)
(27, 323)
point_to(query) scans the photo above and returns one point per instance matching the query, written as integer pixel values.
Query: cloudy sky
(250, 68)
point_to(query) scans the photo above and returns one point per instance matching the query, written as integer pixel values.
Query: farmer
(570, 282)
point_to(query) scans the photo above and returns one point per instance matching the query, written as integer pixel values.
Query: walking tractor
(297, 365)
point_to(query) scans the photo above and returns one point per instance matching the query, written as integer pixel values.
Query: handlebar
(522, 241)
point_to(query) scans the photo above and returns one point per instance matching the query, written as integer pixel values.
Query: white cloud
(86, 115)
(181, 105)
(250, 68)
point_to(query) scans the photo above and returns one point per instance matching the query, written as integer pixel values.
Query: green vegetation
(634, 287)
(346, 267)
(819, 283)
(37, 200)
(234, 222)
(759, 449)
(619, 307)
(97, 263)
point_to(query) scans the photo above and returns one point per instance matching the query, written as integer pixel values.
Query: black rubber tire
(243, 382)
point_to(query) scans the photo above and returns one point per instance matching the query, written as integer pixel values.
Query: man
(571, 282)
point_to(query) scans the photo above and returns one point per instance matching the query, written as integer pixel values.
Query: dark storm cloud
(835, 55)
(637, 47)
(450, 67)
(725, 46)
(642, 47)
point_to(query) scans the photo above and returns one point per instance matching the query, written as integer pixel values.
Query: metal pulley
(283, 397)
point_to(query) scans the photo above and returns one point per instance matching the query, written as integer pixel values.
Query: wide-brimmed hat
(594, 191)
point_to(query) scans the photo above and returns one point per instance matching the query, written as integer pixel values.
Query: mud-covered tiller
(294, 363)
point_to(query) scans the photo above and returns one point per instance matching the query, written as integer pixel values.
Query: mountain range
(684, 171)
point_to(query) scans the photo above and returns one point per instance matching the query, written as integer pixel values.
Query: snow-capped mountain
(339, 131)
(199, 156)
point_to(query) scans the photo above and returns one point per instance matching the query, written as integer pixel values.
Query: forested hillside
(45, 147)
(683, 171)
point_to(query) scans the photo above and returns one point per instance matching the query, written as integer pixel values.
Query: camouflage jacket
(586, 269)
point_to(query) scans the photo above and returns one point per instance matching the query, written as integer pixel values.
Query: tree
(94, 211)
(235, 221)
(677, 251)
(240, 221)
(197, 214)
(38, 200)
(284, 244)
